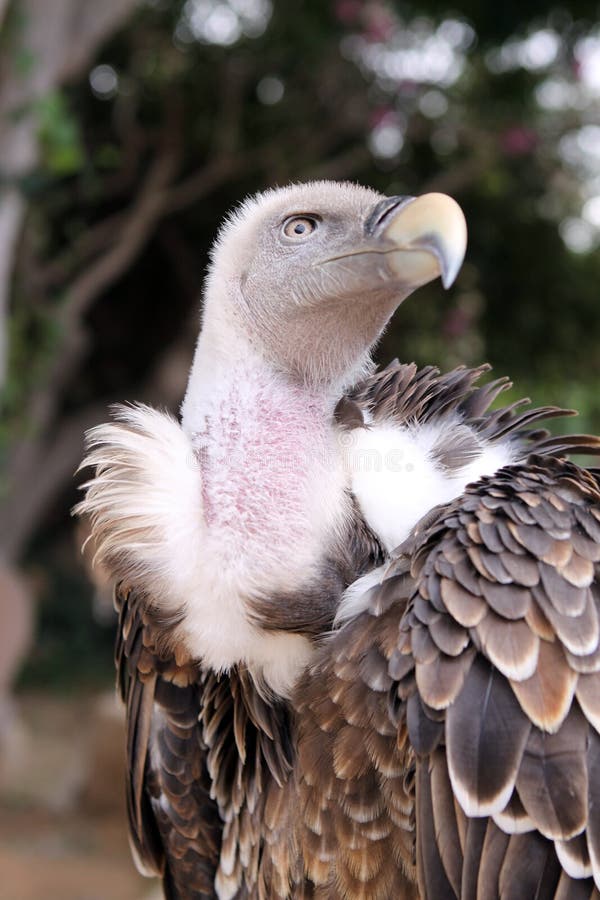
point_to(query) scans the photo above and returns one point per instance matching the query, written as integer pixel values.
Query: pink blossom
(379, 24)
(382, 115)
(518, 141)
(348, 11)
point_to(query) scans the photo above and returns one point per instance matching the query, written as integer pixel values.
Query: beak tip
(433, 223)
(451, 238)
(449, 273)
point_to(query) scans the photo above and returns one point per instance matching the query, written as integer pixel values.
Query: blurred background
(127, 129)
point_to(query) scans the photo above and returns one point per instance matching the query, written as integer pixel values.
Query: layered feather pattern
(487, 618)
(355, 767)
(210, 783)
(501, 627)
(443, 742)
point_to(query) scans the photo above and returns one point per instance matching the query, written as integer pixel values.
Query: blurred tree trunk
(12, 214)
(51, 44)
(3, 8)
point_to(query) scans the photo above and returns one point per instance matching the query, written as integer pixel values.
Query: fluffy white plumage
(397, 480)
(147, 509)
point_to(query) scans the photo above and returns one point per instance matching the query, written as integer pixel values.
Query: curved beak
(419, 238)
(428, 236)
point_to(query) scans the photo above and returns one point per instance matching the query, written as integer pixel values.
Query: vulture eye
(299, 227)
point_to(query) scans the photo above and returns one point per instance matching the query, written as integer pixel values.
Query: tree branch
(3, 9)
(12, 213)
(61, 43)
(90, 242)
(146, 211)
(27, 455)
(201, 183)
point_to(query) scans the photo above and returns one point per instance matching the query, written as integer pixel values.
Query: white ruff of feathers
(202, 517)
(147, 505)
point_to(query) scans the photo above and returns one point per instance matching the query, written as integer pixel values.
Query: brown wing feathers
(210, 786)
(503, 708)
(404, 393)
(355, 768)
(174, 824)
(250, 761)
(488, 668)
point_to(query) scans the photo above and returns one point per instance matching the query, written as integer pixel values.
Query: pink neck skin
(261, 443)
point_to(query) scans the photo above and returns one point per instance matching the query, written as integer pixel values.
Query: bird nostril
(383, 211)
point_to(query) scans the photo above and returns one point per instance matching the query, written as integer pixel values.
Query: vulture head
(307, 277)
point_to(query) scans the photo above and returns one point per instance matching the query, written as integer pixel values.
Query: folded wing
(175, 828)
(503, 696)
(460, 724)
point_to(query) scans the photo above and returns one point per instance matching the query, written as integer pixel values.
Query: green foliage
(59, 135)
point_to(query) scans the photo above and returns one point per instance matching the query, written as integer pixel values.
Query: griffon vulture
(359, 609)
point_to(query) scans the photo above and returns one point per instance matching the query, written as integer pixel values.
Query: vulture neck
(274, 488)
(274, 500)
(230, 382)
